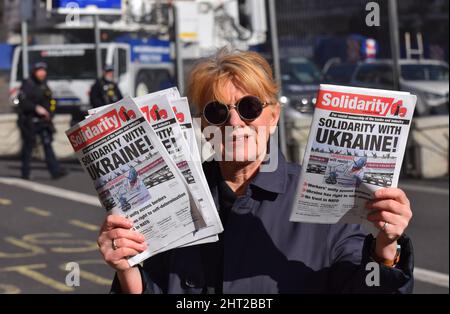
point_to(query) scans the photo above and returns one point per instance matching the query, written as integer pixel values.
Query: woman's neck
(238, 174)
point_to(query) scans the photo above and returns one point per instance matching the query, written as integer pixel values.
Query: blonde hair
(247, 70)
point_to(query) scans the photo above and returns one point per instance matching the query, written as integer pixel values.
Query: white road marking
(52, 190)
(431, 277)
(424, 189)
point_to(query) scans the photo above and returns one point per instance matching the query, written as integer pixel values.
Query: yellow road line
(84, 225)
(5, 201)
(30, 272)
(9, 289)
(33, 250)
(99, 280)
(37, 211)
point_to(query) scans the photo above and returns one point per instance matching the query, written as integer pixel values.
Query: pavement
(47, 224)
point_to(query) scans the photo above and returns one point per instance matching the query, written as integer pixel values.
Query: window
(67, 64)
(122, 61)
(340, 73)
(376, 75)
(424, 72)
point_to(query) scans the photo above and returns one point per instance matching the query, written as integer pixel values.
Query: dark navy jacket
(263, 252)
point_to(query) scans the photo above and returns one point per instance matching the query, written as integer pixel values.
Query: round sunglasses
(249, 108)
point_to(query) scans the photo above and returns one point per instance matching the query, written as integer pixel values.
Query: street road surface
(47, 224)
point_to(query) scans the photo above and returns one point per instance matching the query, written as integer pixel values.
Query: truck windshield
(424, 72)
(67, 64)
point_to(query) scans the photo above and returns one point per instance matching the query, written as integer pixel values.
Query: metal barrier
(11, 142)
(428, 147)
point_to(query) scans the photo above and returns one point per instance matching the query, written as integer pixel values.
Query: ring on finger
(114, 245)
(385, 226)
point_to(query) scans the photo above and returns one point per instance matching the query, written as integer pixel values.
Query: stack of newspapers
(144, 161)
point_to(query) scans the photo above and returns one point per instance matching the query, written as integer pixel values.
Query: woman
(260, 251)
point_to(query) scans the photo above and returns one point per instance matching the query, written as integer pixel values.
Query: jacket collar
(271, 181)
(274, 181)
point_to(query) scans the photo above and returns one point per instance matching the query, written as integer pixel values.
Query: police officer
(36, 110)
(105, 91)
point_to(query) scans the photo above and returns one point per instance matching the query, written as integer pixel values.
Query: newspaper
(159, 111)
(355, 146)
(169, 115)
(201, 149)
(159, 114)
(182, 111)
(134, 176)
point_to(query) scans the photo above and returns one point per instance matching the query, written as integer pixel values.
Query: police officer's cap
(108, 68)
(39, 65)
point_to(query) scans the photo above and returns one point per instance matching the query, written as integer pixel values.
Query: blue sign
(98, 6)
(147, 51)
(6, 52)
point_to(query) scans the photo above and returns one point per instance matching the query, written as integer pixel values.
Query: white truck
(72, 71)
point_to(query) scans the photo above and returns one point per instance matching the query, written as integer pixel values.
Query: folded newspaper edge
(355, 146)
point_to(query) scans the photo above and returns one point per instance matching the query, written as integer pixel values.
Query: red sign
(360, 104)
(95, 130)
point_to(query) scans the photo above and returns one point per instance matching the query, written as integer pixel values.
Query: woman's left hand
(390, 212)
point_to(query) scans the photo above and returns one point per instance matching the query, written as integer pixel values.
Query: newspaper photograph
(133, 175)
(355, 146)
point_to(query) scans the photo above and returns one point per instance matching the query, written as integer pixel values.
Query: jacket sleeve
(27, 98)
(148, 285)
(154, 274)
(353, 270)
(95, 96)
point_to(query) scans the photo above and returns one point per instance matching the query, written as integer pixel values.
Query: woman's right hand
(127, 242)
